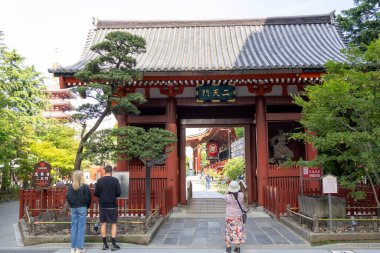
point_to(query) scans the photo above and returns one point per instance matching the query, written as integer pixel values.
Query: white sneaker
(80, 251)
(73, 250)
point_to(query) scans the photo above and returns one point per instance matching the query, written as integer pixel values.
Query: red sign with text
(312, 172)
(212, 150)
(42, 175)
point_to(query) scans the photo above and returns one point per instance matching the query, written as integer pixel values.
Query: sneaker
(237, 249)
(73, 250)
(115, 247)
(80, 251)
(228, 249)
(105, 246)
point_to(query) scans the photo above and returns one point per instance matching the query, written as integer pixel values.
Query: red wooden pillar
(262, 147)
(195, 159)
(172, 161)
(122, 162)
(311, 153)
(249, 166)
(182, 166)
(199, 158)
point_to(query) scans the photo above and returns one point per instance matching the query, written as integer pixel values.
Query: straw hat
(234, 186)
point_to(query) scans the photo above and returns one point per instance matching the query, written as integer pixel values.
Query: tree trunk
(79, 155)
(374, 193)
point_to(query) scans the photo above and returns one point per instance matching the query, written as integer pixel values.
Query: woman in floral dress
(234, 232)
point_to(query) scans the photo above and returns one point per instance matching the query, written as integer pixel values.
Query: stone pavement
(201, 235)
(209, 232)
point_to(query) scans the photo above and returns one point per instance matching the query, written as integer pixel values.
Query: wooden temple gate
(264, 60)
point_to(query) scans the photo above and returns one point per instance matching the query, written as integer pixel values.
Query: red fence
(55, 198)
(284, 187)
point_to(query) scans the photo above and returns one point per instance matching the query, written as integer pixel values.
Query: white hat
(234, 186)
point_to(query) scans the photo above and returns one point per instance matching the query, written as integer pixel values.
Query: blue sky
(39, 28)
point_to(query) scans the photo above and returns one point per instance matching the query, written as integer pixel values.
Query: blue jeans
(78, 225)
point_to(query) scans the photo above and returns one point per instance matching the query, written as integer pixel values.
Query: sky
(47, 31)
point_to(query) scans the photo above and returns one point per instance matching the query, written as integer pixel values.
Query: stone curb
(323, 237)
(142, 239)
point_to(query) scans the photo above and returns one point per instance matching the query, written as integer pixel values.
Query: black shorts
(108, 215)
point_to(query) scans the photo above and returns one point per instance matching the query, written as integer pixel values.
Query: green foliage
(21, 101)
(106, 77)
(150, 145)
(100, 148)
(344, 114)
(239, 131)
(361, 24)
(56, 144)
(234, 168)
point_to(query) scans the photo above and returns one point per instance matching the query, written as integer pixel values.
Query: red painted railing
(284, 187)
(55, 198)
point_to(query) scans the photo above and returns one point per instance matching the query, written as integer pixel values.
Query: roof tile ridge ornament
(95, 21)
(279, 20)
(338, 27)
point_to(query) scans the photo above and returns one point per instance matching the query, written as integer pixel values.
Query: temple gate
(250, 69)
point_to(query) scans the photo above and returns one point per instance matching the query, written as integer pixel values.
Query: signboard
(312, 173)
(215, 93)
(123, 177)
(41, 175)
(330, 184)
(212, 150)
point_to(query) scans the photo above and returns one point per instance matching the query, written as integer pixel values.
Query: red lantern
(212, 148)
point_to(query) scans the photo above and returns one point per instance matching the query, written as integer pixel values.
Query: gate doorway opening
(208, 153)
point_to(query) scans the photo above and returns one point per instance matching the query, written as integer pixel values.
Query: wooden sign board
(123, 177)
(314, 173)
(42, 175)
(330, 184)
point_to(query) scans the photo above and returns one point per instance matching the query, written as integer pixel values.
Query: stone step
(203, 211)
(207, 206)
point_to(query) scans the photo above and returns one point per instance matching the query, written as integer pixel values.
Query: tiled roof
(226, 45)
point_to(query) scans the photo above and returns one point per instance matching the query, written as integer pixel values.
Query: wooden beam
(215, 122)
(147, 119)
(283, 116)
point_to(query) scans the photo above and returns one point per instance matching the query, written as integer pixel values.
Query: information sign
(330, 184)
(41, 175)
(312, 173)
(123, 177)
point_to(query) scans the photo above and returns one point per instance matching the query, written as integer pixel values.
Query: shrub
(234, 168)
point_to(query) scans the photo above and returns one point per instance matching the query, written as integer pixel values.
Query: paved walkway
(209, 232)
(264, 235)
(199, 190)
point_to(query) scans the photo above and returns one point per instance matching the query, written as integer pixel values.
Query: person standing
(79, 198)
(208, 182)
(234, 229)
(107, 189)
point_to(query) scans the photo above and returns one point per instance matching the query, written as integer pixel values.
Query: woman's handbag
(244, 215)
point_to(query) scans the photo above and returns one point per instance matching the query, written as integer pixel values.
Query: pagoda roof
(63, 93)
(305, 42)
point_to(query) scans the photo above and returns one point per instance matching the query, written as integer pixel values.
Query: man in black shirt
(107, 189)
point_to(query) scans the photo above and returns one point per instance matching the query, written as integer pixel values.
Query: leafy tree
(106, 77)
(21, 101)
(239, 131)
(344, 114)
(100, 148)
(55, 143)
(361, 24)
(234, 168)
(145, 145)
(149, 146)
